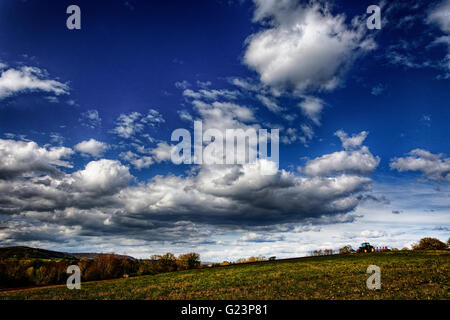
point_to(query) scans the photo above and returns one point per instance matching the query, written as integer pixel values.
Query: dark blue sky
(128, 57)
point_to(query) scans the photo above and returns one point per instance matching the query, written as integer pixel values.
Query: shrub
(346, 249)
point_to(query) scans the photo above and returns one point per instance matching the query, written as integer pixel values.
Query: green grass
(404, 275)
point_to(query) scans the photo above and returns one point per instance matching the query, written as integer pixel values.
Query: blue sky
(86, 118)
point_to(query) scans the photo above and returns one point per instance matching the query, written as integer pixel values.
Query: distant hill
(93, 255)
(20, 252)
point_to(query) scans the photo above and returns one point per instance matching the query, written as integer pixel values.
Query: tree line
(424, 244)
(36, 272)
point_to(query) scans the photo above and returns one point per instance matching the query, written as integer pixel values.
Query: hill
(93, 255)
(20, 252)
(404, 275)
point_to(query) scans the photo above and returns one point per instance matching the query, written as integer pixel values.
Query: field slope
(404, 275)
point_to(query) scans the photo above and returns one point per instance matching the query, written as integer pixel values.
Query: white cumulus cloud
(92, 147)
(432, 166)
(104, 175)
(305, 47)
(359, 161)
(25, 157)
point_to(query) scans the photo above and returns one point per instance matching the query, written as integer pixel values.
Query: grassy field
(404, 275)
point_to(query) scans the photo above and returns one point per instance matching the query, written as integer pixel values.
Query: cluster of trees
(324, 252)
(431, 244)
(428, 244)
(251, 259)
(244, 260)
(31, 272)
(27, 272)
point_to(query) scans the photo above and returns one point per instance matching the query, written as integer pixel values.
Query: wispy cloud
(28, 79)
